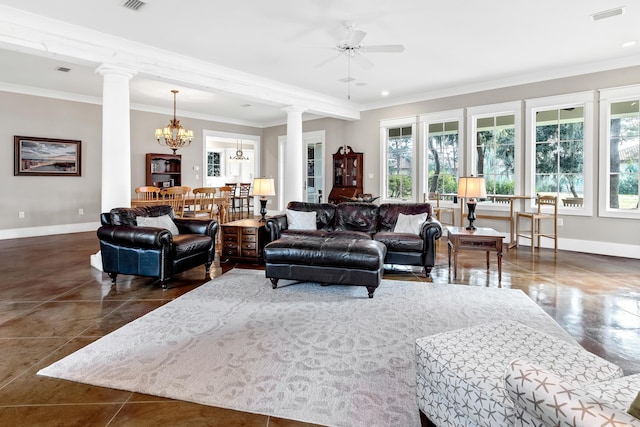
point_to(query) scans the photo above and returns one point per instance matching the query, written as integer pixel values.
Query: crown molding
(30, 33)
(540, 76)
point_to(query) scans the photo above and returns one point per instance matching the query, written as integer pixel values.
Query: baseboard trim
(17, 233)
(591, 247)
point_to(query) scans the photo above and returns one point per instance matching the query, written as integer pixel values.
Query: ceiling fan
(353, 48)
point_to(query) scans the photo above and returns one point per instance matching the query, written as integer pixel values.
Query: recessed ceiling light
(629, 43)
(361, 84)
(385, 93)
(608, 13)
(245, 105)
(63, 69)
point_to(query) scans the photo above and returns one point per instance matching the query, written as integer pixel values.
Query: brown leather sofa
(127, 248)
(356, 220)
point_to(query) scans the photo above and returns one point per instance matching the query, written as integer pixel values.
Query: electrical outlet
(80, 211)
(20, 214)
(269, 202)
(560, 222)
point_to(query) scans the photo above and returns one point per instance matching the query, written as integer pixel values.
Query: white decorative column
(294, 167)
(116, 137)
(116, 141)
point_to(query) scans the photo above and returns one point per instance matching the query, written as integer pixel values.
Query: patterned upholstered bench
(543, 399)
(460, 373)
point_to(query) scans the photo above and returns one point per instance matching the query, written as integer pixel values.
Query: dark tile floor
(53, 303)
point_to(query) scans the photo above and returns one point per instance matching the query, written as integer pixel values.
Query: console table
(480, 239)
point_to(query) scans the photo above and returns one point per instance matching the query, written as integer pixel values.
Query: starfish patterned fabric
(460, 372)
(543, 399)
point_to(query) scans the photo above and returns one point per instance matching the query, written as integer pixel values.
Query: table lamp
(470, 188)
(263, 187)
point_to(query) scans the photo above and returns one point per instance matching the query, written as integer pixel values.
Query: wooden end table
(480, 239)
(243, 240)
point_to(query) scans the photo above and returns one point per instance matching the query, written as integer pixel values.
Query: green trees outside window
(400, 163)
(442, 157)
(495, 153)
(624, 154)
(559, 154)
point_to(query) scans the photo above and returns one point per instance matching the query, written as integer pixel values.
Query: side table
(480, 239)
(243, 240)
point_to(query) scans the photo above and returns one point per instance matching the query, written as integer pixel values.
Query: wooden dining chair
(147, 193)
(175, 197)
(233, 187)
(223, 201)
(535, 231)
(245, 196)
(202, 204)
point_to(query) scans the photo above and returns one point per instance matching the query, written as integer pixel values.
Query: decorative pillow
(299, 220)
(634, 409)
(410, 224)
(162, 221)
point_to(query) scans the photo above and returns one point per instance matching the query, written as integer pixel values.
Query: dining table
(223, 202)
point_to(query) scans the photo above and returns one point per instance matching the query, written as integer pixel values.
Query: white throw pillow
(410, 224)
(162, 221)
(298, 220)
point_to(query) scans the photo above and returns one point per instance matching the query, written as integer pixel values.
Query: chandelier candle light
(263, 187)
(471, 188)
(175, 136)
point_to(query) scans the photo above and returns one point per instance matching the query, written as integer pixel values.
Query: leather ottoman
(326, 260)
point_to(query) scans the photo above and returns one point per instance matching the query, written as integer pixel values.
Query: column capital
(119, 70)
(294, 109)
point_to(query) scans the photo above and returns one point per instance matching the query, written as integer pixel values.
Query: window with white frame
(620, 152)
(559, 150)
(494, 144)
(442, 137)
(399, 152)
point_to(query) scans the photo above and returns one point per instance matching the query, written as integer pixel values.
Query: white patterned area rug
(321, 354)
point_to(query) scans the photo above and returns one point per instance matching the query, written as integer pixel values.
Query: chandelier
(239, 154)
(175, 136)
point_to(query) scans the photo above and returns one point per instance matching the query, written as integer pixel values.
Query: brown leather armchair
(127, 248)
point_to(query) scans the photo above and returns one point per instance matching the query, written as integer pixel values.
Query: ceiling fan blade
(328, 60)
(388, 48)
(356, 37)
(363, 61)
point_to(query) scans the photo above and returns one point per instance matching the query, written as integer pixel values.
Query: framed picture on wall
(46, 156)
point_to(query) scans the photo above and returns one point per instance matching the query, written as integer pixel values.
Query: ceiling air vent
(63, 69)
(608, 13)
(133, 4)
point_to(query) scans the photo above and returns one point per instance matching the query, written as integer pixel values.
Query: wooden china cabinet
(163, 170)
(347, 175)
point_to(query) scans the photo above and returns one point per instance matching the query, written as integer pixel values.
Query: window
(494, 144)
(399, 154)
(620, 152)
(214, 164)
(442, 133)
(559, 150)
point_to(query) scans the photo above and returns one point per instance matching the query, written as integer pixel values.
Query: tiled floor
(53, 303)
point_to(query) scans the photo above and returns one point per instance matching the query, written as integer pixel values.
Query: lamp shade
(470, 187)
(263, 187)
